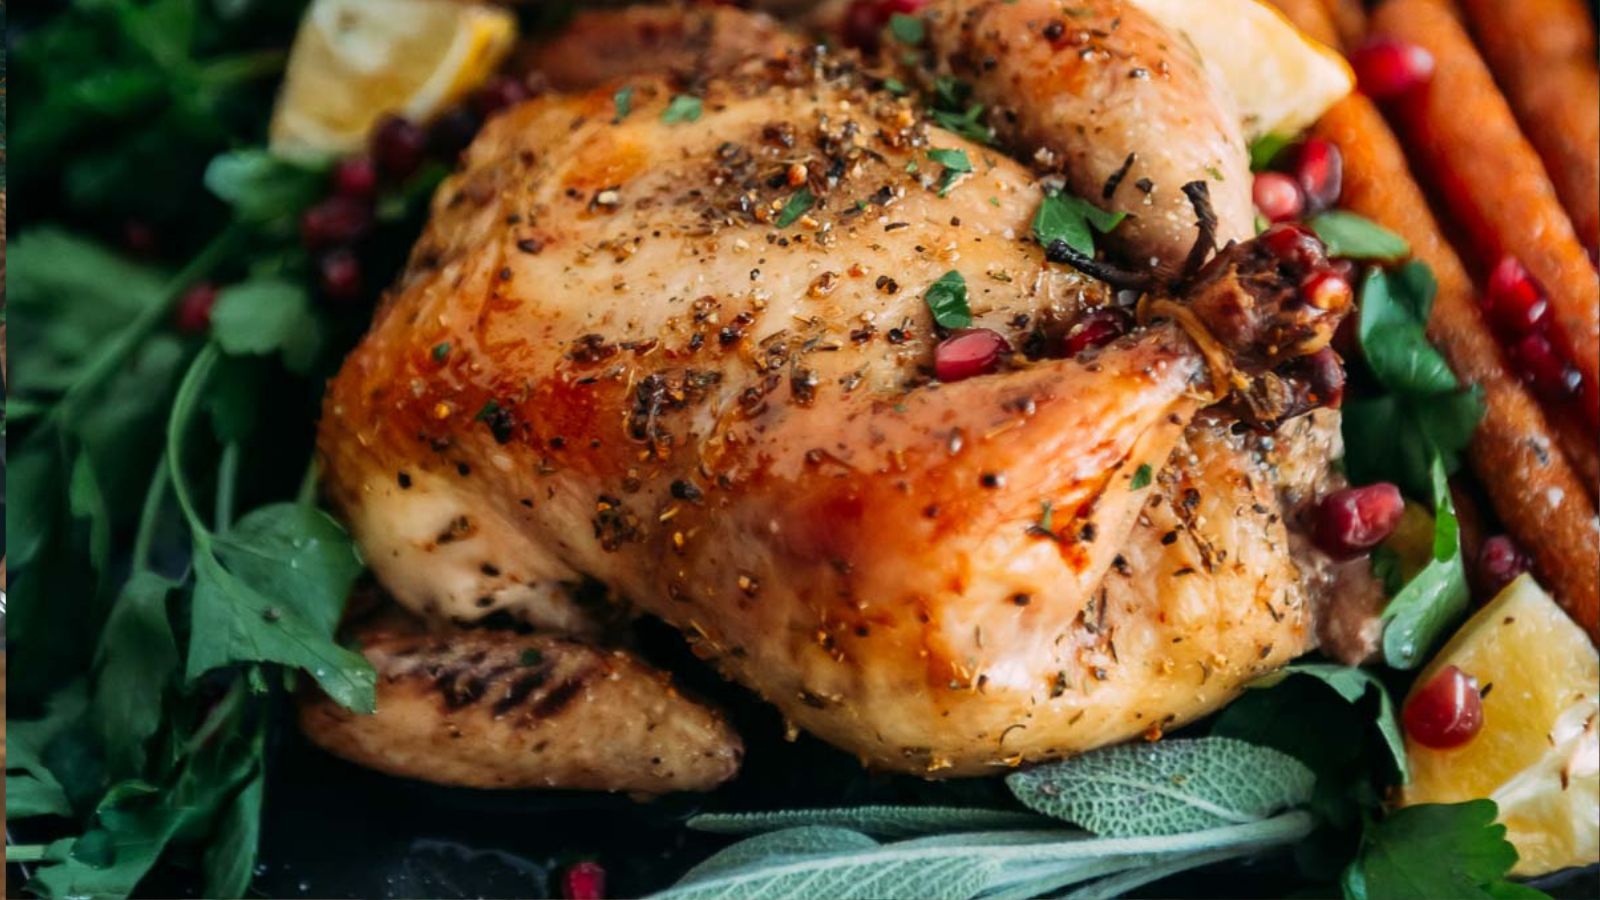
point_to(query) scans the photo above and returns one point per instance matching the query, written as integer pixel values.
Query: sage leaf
(871, 873)
(885, 821)
(1167, 787)
(763, 848)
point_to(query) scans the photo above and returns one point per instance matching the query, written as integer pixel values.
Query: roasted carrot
(1466, 142)
(1543, 54)
(1349, 19)
(1530, 482)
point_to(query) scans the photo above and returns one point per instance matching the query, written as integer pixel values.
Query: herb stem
(227, 482)
(307, 494)
(193, 381)
(151, 317)
(148, 516)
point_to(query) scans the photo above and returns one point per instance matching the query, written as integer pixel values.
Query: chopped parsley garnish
(1047, 515)
(532, 657)
(623, 100)
(683, 108)
(947, 300)
(907, 29)
(798, 204)
(441, 352)
(955, 164)
(1141, 477)
(952, 108)
(1265, 149)
(1063, 217)
(896, 87)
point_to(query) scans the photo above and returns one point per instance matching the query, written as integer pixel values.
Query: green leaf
(952, 108)
(682, 108)
(27, 795)
(135, 662)
(272, 592)
(788, 841)
(1165, 788)
(1437, 598)
(1265, 149)
(230, 859)
(796, 207)
(907, 29)
(947, 300)
(1350, 236)
(1353, 684)
(1141, 477)
(135, 840)
(1435, 850)
(262, 187)
(622, 100)
(955, 164)
(1069, 219)
(884, 821)
(260, 316)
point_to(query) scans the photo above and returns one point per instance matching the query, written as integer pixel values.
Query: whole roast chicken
(671, 345)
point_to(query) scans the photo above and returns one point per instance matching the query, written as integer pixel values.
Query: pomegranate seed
(1386, 68)
(398, 147)
(584, 881)
(1354, 520)
(1278, 197)
(1295, 246)
(339, 273)
(1097, 329)
(1327, 290)
(1447, 712)
(864, 20)
(355, 177)
(1513, 299)
(333, 221)
(497, 94)
(1324, 377)
(1319, 168)
(452, 132)
(193, 313)
(969, 352)
(1500, 561)
(1542, 366)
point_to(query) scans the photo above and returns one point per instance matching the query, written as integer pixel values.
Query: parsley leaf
(1265, 149)
(623, 101)
(907, 29)
(947, 300)
(262, 316)
(1072, 220)
(1141, 477)
(798, 204)
(1433, 601)
(955, 164)
(952, 109)
(262, 187)
(683, 108)
(1351, 236)
(1353, 684)
(1436, 850)
(1424, 410)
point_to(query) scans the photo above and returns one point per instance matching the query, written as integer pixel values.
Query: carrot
(1517, 457)
(1543, 53)
(1349, 19)
(1466, 142)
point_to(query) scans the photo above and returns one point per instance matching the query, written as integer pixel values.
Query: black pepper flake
(505, 273)
(1145, 185)
(991, 480)
(463, 469)
(1169, 538)
(499, 420)
(404, 479)
(1087, 533)
(685, 490)
(529, 245)
(1021, 599)
(1053, 30)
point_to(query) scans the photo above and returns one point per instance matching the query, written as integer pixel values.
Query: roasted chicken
(689, 358)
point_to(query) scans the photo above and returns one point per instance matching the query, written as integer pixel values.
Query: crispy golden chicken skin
(692, 360)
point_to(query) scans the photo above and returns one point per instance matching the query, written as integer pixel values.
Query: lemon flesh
(1537, 755)
(354, 61)
(1281, 79)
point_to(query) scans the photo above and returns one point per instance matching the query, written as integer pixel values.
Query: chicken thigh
(690, 356)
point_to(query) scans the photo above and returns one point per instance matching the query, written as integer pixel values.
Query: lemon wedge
(1281, 79)
(353, 61)
(1537, 755)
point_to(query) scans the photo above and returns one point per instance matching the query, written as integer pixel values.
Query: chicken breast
(690, 356)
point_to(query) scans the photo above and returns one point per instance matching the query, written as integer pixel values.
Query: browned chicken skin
(625, 351)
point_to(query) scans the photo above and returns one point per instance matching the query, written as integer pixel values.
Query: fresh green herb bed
(173, 581)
